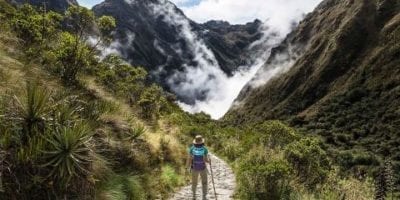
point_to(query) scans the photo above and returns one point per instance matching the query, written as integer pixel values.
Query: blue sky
(180, 3)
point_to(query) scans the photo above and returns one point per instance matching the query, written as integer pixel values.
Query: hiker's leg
(204, 182)
(195, 177)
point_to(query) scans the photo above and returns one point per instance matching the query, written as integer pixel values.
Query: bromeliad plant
(31, 109)
(137, 131)
(70, 152)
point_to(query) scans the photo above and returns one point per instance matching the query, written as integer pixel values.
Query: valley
(103, 103)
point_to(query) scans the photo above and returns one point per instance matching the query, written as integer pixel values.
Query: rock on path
(224, 183)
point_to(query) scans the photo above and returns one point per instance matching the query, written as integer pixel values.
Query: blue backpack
(198, 154)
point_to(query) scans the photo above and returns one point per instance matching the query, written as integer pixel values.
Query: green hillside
(77, 125)
(344, 86)
(73, 126)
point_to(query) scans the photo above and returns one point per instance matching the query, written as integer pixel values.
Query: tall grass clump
(122, 187)
(169, 178)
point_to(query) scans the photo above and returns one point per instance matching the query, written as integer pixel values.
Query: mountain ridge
(344, 84)
(56, 5)
(159, 47)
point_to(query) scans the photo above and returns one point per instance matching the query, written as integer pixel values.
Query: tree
(150, 102)
(37, 30)
(75, 53)
(122, 78)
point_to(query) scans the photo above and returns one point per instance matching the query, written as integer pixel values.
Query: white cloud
(207, 77)
(280, 13)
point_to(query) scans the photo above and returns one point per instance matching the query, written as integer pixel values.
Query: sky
(180, 3)
(238, 11)
(89, 3)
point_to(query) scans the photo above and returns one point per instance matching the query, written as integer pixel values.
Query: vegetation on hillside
(74, 125)
(344, 85)
(274, 161)
(64, 136)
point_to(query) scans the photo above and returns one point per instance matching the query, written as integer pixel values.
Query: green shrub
(263, 177)
(150, 102)
(232, 149)
(275, 134)
(35, 28)
(349, 159)
(122, 78)
(169, 178)
(309, 161)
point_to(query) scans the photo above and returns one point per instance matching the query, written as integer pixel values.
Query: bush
(275, 134)
(309, 161)
(150, 102)
(263, 177)
(232, 149)
(349, 159)
(122, 78)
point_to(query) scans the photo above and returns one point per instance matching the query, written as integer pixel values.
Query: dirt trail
(224, 183)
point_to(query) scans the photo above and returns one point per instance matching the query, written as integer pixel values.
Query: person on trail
(196, 163)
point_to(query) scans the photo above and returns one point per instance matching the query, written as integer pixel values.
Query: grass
(122, 187)
(170, 179)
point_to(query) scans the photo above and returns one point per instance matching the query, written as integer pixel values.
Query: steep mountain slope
(338, 76)
(56, 5)
(157, 35)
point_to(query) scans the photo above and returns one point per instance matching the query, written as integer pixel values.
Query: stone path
(224, 183)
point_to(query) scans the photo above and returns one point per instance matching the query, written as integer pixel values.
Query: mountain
(157, 35)
(339, 77)
(56, 5)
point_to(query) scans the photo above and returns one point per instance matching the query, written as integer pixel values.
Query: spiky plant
(65, 115)
(137, 131)
(70, 153)
(31, 109)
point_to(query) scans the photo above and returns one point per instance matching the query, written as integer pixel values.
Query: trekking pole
(212, 180)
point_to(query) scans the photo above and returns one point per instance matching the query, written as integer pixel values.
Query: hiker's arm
(207, 159)
(188, 161)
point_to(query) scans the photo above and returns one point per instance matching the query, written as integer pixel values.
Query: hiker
(196, 163)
